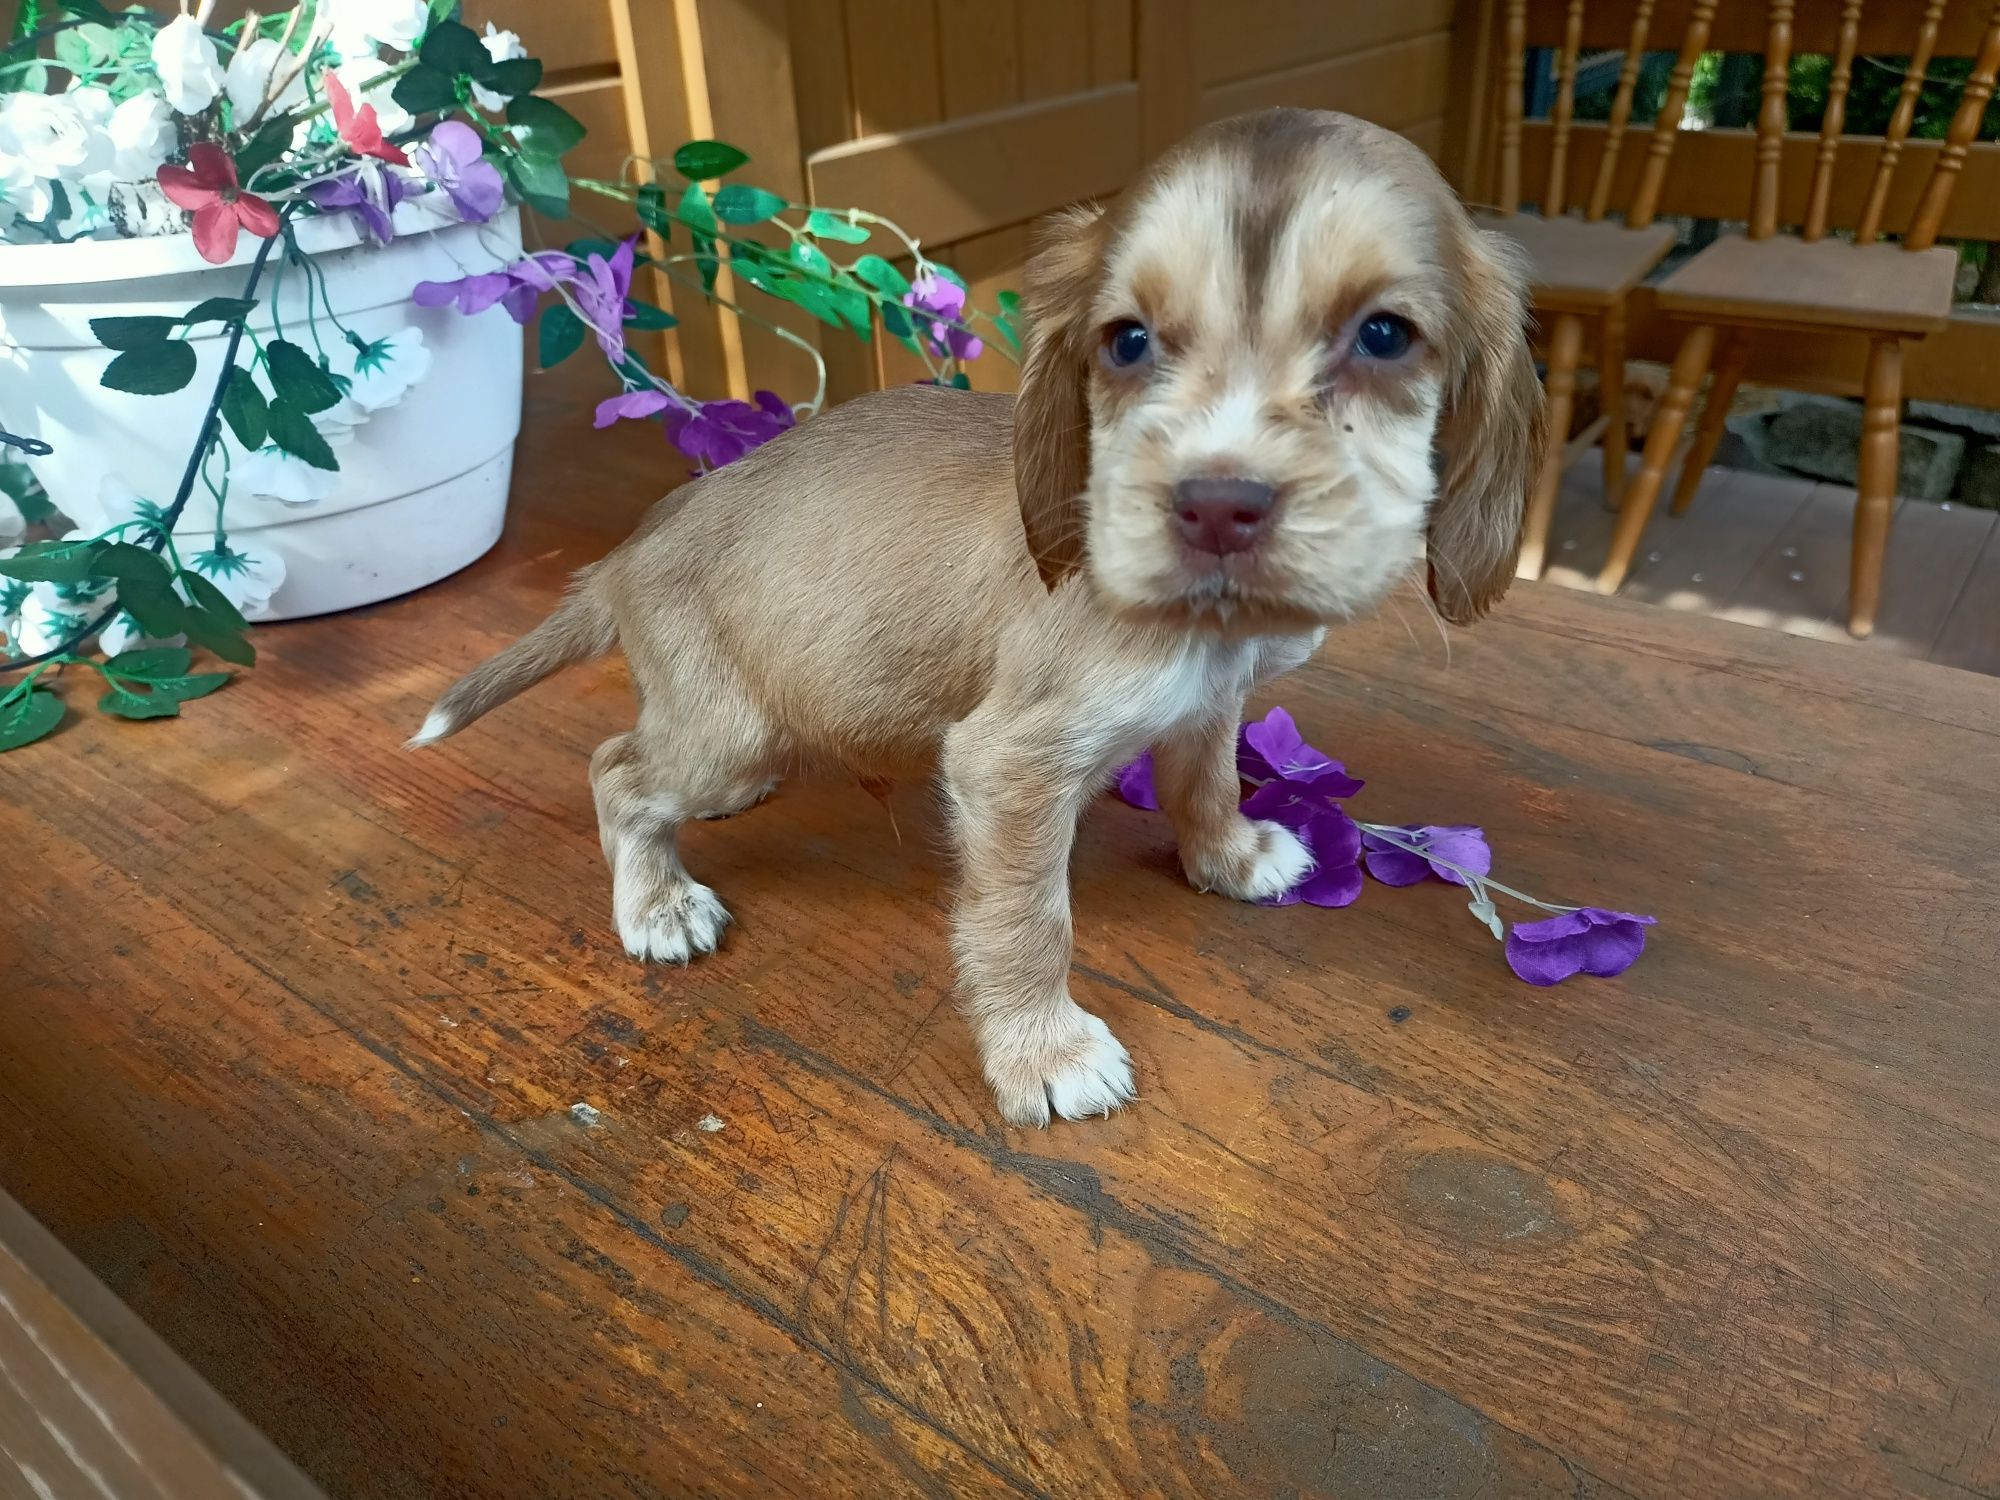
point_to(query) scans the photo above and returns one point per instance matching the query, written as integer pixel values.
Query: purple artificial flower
(1461, 844)
(1135, 784)
(640, 403)
(940, 298)
(369, 192)
(518, 288)
(1272, 749)
(1308, 809)
(600, 291)
(1589, 941)
(720, 432)
(455, 159)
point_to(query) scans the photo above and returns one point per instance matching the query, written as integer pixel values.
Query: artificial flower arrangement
(1303, 789)
(122, 124)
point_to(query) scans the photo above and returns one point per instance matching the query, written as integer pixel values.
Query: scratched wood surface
(297, 1023)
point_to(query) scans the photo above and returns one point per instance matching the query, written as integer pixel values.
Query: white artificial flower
(13, 525)
(247, 576)
(501, 46)
(391, 116)
(48, 618)
(23, 195)
(123, 634)
(361, 24)
(248, 77)
(382, 374)
(13, 599)
(273, 474)
(141, 134)
(47, 132)
(190, 73)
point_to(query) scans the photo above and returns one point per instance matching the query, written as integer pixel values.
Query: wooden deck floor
(1770, 551)
(323, 1056)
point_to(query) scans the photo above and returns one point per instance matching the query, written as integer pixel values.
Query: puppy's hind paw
(1073, 1067)
(679, 926)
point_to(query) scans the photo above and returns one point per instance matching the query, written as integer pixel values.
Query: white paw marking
(1074, 1067)
(678, 927)
(1283, 861)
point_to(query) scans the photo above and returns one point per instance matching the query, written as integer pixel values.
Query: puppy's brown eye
(1127, 344)
(1384, 336)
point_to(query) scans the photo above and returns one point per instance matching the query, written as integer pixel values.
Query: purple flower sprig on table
(1301, 788)
(942, 302)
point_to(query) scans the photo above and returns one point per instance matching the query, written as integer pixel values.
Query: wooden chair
(1586, 267)
(1746, 286)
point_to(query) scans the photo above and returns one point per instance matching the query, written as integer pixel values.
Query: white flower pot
(422, 487)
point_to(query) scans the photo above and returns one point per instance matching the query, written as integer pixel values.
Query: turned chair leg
(1565, 350)
(1708, 432)
(1644, 491)
(1881, 422)
(1611, 401)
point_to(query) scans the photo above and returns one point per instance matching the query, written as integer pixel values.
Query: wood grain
(300, 1022)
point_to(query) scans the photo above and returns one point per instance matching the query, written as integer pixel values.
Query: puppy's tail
(580, 628)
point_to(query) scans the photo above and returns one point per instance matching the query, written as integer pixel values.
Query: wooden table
(299, 1024)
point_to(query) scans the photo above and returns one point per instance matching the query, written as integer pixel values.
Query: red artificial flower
(359, 128)
(207, 188)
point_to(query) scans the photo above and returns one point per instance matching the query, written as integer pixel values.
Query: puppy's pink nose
(1221, 516)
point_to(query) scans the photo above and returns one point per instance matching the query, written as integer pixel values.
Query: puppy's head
(1286, 368)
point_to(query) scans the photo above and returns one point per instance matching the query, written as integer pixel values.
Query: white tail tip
(436, 727)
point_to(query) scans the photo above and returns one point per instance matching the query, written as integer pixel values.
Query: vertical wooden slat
(892, 58)
(818, 30)
(1468, 144)
(1055, 50)
(1833, 122)
(1958, 139)
(1553, 201)
(979, 51)
(1771, 120)
(1169, 86)
(1110, 42)
(1513, 79)
(1899, 125)
(1621, 111)
(1694, 42)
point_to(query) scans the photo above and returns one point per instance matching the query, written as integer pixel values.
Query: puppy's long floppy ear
(1051, 417)
(1491, 434)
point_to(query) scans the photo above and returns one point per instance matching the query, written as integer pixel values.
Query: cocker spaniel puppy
(1284, 370)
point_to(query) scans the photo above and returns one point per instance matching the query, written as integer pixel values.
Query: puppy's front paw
(681, 924)
(1258, 861)
(1069, 1063)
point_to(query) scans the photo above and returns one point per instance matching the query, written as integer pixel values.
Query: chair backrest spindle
(1833, 122)
(1554, 201)
(1621, 111)
(1870, 225)
(1513, 79)
(1958, 140)
(1771, 120)
(1694, 42)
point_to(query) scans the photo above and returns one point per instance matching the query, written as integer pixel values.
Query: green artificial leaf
(18, 483)
(704, 161)
(132, 333)
(831, 226)
(211, 601)
(291, 429)
(882, 276)
(218, 637)
(52, 562)
(1009, 319)
(268, 144)
(960, 381)
(297, 378)
(129, 563)
(422, 91)
(453, 48)
(517, 75)
(151, 663)
(82, 49)
(646, 316)
(696, 213)
(584, 249)
(443, 10)
(182, 688)
(26, 717)
(220, 310)
(896, 323)
(244, 409)
(811, 258)
(542, 185)
(544, 129)
(129, 705)
(151, 369)
(151, 601)
(652, 206)
(948, 274)
(560, 335)
(739, 203)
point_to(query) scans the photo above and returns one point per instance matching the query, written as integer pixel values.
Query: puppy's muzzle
(1222, 516)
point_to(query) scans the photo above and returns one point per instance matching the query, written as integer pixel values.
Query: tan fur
(926, 578)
